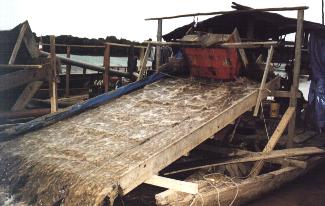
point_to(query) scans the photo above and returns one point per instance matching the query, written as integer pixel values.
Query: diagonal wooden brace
(262, 87)
(274, 139)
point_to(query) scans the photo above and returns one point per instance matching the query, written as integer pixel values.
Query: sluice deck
(92, 157)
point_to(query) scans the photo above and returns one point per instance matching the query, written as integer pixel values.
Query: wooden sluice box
(91, 158)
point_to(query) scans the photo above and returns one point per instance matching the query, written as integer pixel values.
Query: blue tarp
(77, 108)
(316, 97)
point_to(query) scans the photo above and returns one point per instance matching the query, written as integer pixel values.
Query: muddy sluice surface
(79, 161)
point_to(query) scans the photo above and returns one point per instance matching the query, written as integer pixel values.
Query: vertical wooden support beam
(84, 71)
(141, 56)
(143, 66)
(52, 77)
(274, 139)
(18, 44)
(158, 48)
(296, 73)
(67, 74)
(262, 87)
(106, 66)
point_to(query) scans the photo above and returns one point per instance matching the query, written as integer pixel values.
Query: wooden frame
(134, 177)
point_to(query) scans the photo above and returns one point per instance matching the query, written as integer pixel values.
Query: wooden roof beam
(232, 12)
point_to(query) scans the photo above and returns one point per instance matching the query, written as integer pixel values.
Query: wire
(267, 133)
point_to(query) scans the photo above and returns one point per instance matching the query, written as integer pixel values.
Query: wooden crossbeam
(20, 66)
(279, 93)
(176, 185)
(274, 138)
(262, 87)
(19, 78)
(265, 44)
(231, 12)
(18, 44)
(260, 156)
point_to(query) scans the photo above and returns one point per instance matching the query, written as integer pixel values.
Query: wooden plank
(262, 87)
(52, 78)
(241, 50)
(176, 185)
(279, 93)
(153, 164)
(158, 47)
(265, 44)
(19, 78)
(106, 67)
(296, 72)
(143, 66)
(259, 156)
(124, 45)
(26, 95)
(232, 12)
(274, 138)
(233, 152)
(20, 66)
(18, 44)
(67, 73)
(24, 114)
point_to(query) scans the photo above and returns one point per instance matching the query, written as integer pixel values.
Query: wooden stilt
(52, 78)
(296, 72)
(143, 66)
(141, 55)
(67, 73)
(158, 48)
(106, 66)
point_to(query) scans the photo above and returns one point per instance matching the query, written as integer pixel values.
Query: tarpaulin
(316, 97)
(77, 108)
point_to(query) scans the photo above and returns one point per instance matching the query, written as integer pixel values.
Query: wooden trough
(93, 157)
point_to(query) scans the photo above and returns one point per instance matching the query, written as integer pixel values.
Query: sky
(124, 18)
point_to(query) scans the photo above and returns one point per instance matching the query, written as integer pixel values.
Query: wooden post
(67, 74)
(106, 66)
(18, 44)
(158, 48)
(141, 55)
(143, 66)
(266, 71)
(52, 77)
(296, 72)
